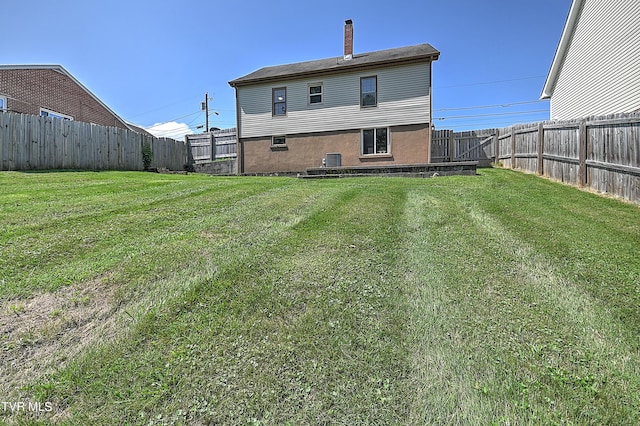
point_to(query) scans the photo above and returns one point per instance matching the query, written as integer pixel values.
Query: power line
(489, 82)
(499, 114)
(493, 123)
(507, 105)
(173, 119)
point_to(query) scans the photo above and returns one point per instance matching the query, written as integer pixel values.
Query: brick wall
(28, 90)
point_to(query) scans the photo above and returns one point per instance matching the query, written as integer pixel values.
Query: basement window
(278, 141)
(375, 141)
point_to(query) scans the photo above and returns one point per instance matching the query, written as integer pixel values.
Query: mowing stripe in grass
(85, 243)
(302, 326)
(364, 301)
(499, 333)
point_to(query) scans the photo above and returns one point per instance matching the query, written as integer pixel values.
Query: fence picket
(30, 142)
(598, 152)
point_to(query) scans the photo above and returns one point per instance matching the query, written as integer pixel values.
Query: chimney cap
(348, 22)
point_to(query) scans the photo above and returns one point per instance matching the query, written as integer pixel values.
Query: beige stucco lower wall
(409, 145)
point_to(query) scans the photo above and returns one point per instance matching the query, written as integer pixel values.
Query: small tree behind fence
(31, 142)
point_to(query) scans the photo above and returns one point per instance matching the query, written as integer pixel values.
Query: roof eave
(561, 50)
(59, 68)
(336, 70)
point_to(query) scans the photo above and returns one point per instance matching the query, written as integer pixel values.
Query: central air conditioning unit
(334, 159)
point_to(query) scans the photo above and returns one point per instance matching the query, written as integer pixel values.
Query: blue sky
(152, 61)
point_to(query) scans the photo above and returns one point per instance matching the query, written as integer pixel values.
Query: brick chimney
(348, 39)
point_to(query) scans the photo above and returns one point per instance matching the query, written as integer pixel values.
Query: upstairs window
(375, 141)
(280, 101)
(315, 93)
(369, 91)
(48, 113)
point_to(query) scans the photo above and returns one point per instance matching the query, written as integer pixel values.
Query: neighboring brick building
(51, 90)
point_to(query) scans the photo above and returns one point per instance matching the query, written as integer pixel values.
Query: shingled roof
(339, 64)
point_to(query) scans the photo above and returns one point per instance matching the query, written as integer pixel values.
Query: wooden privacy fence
(477, 145)
(168, 154)
(31, 142)
(602, 153)
(211, 146)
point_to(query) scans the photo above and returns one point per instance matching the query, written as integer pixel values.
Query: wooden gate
(200, 147)
(447, 145)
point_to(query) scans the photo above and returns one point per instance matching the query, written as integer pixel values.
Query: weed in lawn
(16, 309)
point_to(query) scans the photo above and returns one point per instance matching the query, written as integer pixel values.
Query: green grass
(136, 298)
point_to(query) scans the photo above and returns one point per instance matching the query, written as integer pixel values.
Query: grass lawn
(137, 298)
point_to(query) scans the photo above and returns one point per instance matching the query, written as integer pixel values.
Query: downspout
(430, 110)
(240, 144)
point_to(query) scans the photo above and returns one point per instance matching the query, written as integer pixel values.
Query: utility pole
(206, 113)
(204, 106)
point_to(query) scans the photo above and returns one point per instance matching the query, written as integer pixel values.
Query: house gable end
(52, 87)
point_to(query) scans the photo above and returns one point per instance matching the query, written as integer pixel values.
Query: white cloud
(171, 129)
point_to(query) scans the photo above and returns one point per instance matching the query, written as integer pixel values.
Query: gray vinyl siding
(601, 71)
(403, 98)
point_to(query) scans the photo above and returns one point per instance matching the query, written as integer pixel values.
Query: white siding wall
(601, 72)
(403, 98)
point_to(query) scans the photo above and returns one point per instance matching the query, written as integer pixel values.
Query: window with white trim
(278, 141)
(3, 103)
(315, 93)
(49, 113)
(369, 91)
(279, 101)
(375, 141)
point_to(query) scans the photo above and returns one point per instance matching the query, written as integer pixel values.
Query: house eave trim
(338, 70)
(561, 50)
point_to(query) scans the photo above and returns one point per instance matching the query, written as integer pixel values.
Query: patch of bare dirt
(41, 334)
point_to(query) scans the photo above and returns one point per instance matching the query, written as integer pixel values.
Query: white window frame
(44, 112)
(4, 103)
(310, 95)
(279, 137)
(275, 102)
(375, 92)
(375, 137)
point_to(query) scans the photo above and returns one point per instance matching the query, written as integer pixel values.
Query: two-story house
(370, 108)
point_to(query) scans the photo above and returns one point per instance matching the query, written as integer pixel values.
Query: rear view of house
(596, 68)
(356, 110)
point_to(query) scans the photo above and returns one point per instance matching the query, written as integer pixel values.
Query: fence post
(496, 147)
(450, 142)
(540, 148)
(212, 140)
(513, 147)
(582, 154)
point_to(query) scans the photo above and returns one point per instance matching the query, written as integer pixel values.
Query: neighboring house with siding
(371, 108)
(596, 68)
(50, 90)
